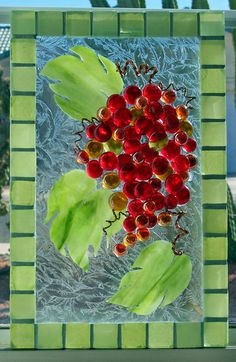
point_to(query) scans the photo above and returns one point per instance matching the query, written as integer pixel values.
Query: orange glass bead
(110, 181)
(164, 219)
(103, 114)
(120, 250)
(143, 234)
(168, 96)
(186, 127)
(182, 112)
(130, 240)
(118, 201)
(94, 148)
(141, 102)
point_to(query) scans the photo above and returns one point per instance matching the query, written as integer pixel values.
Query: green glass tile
(215, 248)
(22, 278)
(22, 306)
(78, 23)
(212, 52)
(22, 164)
(160, 335)
(188, 335)
(22, 336)
(49, 336)
(185, 24)
(213, 134)
(213, 162)
(22, 221)
(50, 23)
(212, 24)
(77, 335)
(22, 135)
(215, 276)
(23, 249)
(131, 24)
(23, 79)
(215, 334)
(23, 51)
(23, 108)
(214, 221)
(133, 335)
(105, 336)
(216, 305)
(158, 23)
(213, 81)
(214, 192)
(213, 107)
(23, 193)
(105, 23)
(23, 22)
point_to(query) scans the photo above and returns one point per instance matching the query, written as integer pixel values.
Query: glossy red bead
(135, 207)
(116, 101)
(143, 190)
(180, 163)
(128, 189)
(184, 175)
(183, 195)
(181, 138)
(122, 117)
(108, 161)
(82, 157)
(149, 153)
(143, 234)
(131, 145)
(160, 165)
(169, 96)
(123, 158)
(119, 250)
(171, 201)
(131, 93)
(149, 207)
(128, 172)
(138, 157)
(141, 220)
(90, 131)
(152, 221)
(153, 110)
(102, 133)
(143, 125)
(190, 146)
(103, 114)
(192, 160)
(119, 134)
(159, 200)
(171, 150)
(152, 92)
(129, 224)
(144, 172)
(157, 136)
(157, 126)
(130, 133)
(156, 184)
(173, 183)
(93, 169)
(171, 123)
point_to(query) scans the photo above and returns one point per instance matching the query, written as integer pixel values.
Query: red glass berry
(157, 126)
(131, 93)
(171, 123)
(130, 240)
(152, 92)
(169, 96)
(170, 202)
(82, 157)
(141, 220)
(90, 131)
(190, 146)
(128, 189)
(129, 224)
(123, 159)
(192, 160)
(103, 114)
(122, 117)
(182, 112)
(143, 190)
(119, 134)
(102, 133)
(159, 200)
(157, 136)
(149, 153)
(110, 124)
(184, 175)
(160, 165)
(93, 169)
(181, 138)
(183, 195)
(108, 161)
(131, 145)
(119, 250)
(167, 109)
(128, 172)
(143, 125)
(116, 101)
(152, 221)
(156, 184)
(138, 157)
(144, 172)
(149, 207)
(164, 219)
(180, 163)
(135, 207)
(141, 102)
(143, 234)
(153, 110)
(171, 150)
(131, 133)
(173, 183)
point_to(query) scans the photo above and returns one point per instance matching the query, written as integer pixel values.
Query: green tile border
(25, 331)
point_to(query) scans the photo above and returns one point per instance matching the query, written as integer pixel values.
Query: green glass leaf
(79, 213)
(158, 277)
(82, 81)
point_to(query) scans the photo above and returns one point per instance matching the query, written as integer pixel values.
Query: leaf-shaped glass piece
(157, 279)
(82, 81)
(80, 213)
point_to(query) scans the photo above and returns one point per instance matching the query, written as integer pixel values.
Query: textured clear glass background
(64, 291)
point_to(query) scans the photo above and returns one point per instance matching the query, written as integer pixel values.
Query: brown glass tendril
(79, 133)
(182, 232)
(117, 216)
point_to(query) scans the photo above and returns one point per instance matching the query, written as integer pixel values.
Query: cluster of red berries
(155, 145)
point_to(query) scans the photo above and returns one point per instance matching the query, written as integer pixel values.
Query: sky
(151, 4)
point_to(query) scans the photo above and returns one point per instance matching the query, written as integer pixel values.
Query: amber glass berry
(143, 234)
(186, 127)
(169, 96)
(182, 112)
(118, 201)
(164, 219)
(120, 250)
(141, 102)
(82, 157)
(94, 148)
(130, 240)
(141, 220)
(103, 114)
(110, 181)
